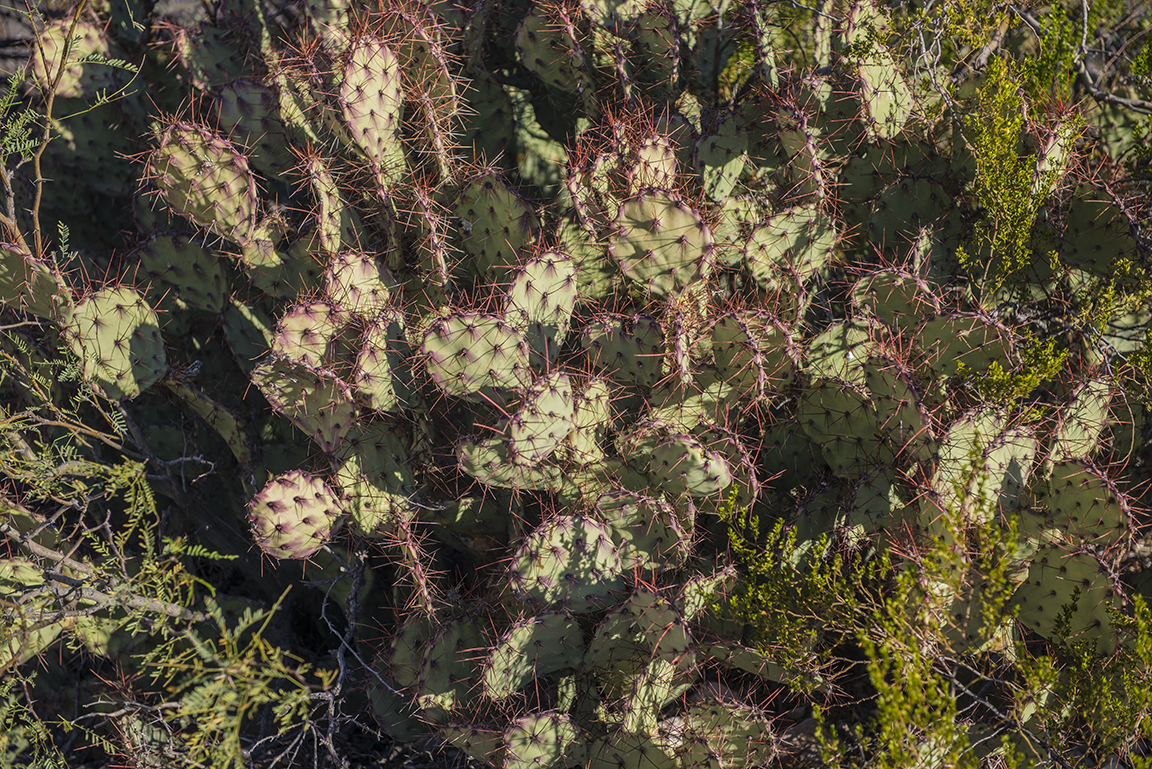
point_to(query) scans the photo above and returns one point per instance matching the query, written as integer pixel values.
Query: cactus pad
(661, 243)
(117, 336)
(567, 562)
(532, 648)
(293, 515)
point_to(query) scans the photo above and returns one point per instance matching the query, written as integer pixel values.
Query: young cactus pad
(293, 515)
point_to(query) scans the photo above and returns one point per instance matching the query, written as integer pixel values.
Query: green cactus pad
(80, 79)
(1011, 460)
(658, 684)
(840, 351)
(293, 515)
(383, 376)
(359, 284)
(280, 273)
(946, 341)
(490, 462)
(646, 531)
(549, 47)
(1098, 233)
(1060, 578)
(21, 642)
(720, 159)
(338, 226)
(662, 629)
(206, 179)
(738, 657)
(314, 399)
(186, 265)
(1085, 503)
(467, 352)
(898, 299)
(677, 462)
(543, 741)
(406, 653)
(531, 649)
(617, 652)
(375, 471)
(660, 242)
(842, 420)
(371, 100)
(727, 443)
(628, 350)
(754, 353)
(251, 110)
(476, 742)
(32, 284)
(887, 98)
(655, 163)
(907, 206)
(726, 736)
(544, 420)
(805, 169)
(1084, 419)
(220, 419)
(963, 478)
(117, 336)
(449, 668)
(568, 562)
(902, 422)
(249, 332)
(591, 417)
(540, 303)
(496, 225)
(307, 333)
(209, 55)
(627, 750)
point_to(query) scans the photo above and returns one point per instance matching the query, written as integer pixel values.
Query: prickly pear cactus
(527, 293)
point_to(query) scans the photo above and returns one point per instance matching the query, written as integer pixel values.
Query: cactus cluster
(528, 281)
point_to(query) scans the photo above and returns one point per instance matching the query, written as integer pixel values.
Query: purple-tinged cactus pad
(371, 99)
(467, 352)
(307, 333)
(293, 515)
(205, 178)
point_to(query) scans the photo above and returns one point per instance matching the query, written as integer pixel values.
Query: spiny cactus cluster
(552, 281)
